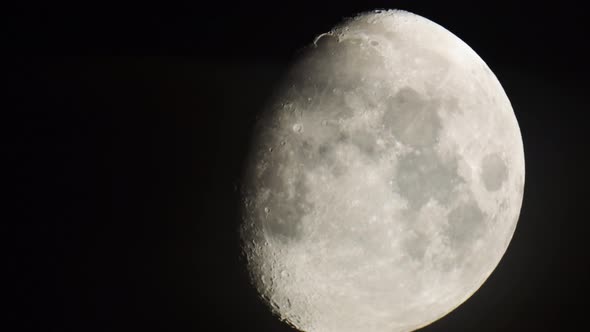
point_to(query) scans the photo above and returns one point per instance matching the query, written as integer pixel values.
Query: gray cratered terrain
(385, 180)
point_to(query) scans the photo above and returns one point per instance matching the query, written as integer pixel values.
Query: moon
(384, 181)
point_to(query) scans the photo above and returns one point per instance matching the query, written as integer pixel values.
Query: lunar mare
(385, 180)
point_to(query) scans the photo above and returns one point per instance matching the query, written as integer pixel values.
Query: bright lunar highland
(385, 180)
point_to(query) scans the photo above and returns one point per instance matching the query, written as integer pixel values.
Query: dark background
(122, 171)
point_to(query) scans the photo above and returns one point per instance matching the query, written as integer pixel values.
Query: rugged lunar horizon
(384, 182)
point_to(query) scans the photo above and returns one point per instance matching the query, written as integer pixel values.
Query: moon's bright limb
(385, 182)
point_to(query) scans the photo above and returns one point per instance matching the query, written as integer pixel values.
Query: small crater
(298, 127)
(493, 172)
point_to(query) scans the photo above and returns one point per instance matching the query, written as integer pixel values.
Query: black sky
(121, 171)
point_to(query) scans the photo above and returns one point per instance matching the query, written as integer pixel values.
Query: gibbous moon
(385, 180)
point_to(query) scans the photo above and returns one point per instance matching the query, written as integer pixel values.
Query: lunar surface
(385, 180)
